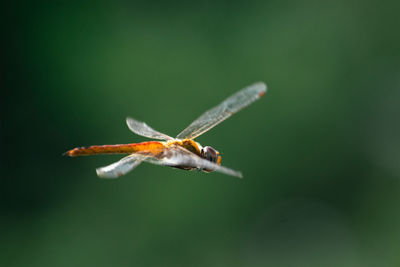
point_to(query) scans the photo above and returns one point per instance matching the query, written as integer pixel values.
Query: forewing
(143, 129)
(177, 156)
(229, 106)
(119, 168)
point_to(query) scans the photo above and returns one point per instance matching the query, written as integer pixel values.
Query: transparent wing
(231, 105)
(143, 129)
(119, 168)
(180, 157)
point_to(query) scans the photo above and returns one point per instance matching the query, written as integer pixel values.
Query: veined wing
(173, 156)
(177, 156)
(229, 106)
(143, 129)
(119, 168)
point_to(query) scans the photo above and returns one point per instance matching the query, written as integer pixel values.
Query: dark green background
(319, 153)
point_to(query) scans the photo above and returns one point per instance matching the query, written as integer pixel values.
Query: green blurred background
(319, 153)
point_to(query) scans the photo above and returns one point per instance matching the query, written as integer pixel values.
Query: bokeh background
(320, 152)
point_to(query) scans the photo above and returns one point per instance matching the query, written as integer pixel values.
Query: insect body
(181, 152)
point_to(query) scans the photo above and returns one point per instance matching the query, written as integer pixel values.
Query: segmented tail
(153, 147)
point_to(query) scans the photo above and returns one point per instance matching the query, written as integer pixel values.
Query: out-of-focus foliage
(319, 153)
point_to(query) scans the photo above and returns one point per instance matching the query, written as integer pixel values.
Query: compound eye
(210, 154)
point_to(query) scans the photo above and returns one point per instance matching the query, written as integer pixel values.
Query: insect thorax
(192, 146)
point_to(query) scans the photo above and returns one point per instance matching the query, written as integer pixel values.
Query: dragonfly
(181, 152)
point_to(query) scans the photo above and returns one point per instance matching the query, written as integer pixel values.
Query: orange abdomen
(152, 147)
